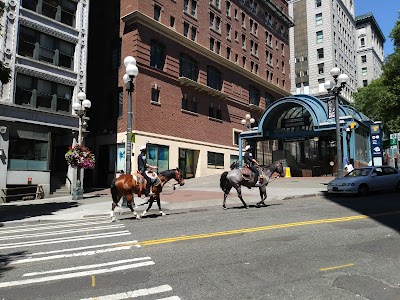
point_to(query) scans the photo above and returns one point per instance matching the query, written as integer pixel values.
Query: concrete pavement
(196, 193)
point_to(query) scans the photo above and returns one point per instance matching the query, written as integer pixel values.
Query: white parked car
(363, 180)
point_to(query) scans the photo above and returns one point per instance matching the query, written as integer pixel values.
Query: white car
(363, 180)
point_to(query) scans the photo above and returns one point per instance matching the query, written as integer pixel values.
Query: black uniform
(248, 159)
(142, 166)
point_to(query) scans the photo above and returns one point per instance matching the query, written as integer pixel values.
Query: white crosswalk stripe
(45, 253)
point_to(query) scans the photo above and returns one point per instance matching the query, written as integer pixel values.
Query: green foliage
(380, 100)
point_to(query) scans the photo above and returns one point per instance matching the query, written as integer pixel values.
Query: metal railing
(38, 194)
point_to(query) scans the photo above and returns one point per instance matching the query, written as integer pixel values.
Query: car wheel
(363, 189)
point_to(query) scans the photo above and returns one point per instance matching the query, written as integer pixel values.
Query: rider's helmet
(248, 148)
(142, 148)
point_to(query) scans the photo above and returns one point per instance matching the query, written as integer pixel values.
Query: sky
(386, 13)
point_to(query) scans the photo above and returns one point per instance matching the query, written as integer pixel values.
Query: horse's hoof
(246, 207)
(113, 220)
(162, 213)
(224, 207)
(143, 213)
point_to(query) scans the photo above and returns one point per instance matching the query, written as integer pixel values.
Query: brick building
(203, 65)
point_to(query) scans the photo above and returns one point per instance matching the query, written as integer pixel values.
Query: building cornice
(138, 17)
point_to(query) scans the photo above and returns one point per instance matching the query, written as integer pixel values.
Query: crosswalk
(40, 254)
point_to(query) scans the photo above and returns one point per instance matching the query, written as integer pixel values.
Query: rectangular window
(362, 42)
(318, 19)
(194, 33)
(157, 12)
(320, 53)
(228, 31)
(189, 105)
(243, 20)
(155, 95)
(320, 68)
(188, 67)
(320, 37)
(48, 49)
(27, 153)
(186, 6)
(228, 8)
(63, 11)
(158, 155)
(318, 3)
(185, 29)
(363, 59)
(38, 93)
(215, 160)
(228, 53)
(157, 54)
(172, 22)
(214, 78)
(364, 71)
(254, 95)
(194, 8)
(365, 82)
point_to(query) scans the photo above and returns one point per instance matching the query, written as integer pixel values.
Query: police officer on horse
(252, 164)
(142, 167)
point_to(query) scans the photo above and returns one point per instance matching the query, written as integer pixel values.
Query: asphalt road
(315, 248)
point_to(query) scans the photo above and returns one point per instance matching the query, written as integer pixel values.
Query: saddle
(248, 174)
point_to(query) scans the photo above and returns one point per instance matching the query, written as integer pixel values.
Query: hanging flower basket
(80, 157)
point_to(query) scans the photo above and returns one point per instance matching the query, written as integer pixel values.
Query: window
(185, 29)
(215, 160)
(157, 12)
(172, 21)
(188, 67)
(158, 155)
(218, 47)
(216, 3)
(155, 94)
(194, 33)
(320, 37)
(268, 99)
(243, 41)
(236, 139)
(189, 105)
(157, 54)
(228, 31)
(362, 42)
(363, 59)
(193, 12)
(320, 53)
(192, 9)
(27, 153)
(320, 68)
(63, 11)
(318, 19)
(214, 78)
(243, 20)
(212, 42)
(318, 3)
(38, 93)
(228, 53)
(365, 82)
(228, 8)
(364, 71)
(254, 95)
(186, 6)
(51, 50)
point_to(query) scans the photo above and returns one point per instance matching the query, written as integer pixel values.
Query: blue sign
(376, 141)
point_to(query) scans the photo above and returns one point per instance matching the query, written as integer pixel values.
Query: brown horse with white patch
(127, 185)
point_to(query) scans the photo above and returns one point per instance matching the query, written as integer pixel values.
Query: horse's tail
(223, 181)
(114, 191)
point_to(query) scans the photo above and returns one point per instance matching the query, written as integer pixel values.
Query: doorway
(186, 163)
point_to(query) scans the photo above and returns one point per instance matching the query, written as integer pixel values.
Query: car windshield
(359, 172)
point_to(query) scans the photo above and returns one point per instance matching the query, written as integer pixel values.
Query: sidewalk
(196, 193)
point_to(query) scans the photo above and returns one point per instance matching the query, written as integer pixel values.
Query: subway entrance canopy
(300, 130)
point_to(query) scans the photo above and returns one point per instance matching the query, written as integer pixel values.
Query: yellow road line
(93, 281)
(336, 267)
(256, 229)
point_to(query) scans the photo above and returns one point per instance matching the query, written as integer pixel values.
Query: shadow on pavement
(20, 212)
(6, 259)
(383, 207)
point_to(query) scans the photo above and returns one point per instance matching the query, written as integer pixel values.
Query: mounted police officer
(252, 163)
(142, 167)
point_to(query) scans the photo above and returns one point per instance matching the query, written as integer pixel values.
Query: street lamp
(335, 88)
(247, 121)
(80, 108)
(129, 78)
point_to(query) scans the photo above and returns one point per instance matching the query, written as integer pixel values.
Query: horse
(235, 179)
(127, 185)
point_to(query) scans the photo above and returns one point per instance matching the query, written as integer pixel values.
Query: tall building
(44, 42)
(324, 37)
(203, 65)
(370, 56)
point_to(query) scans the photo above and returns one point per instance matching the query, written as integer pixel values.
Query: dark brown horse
(127, 185)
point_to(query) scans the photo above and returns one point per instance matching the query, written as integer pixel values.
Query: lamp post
(131, 71)
(335, 88)
(80, 108)
(247, 121)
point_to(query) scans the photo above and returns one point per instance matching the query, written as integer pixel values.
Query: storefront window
(215, 160)
(27, 154)
(158, 155)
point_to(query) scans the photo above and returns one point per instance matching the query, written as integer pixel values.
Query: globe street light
(80, 108)
(129, 79)
(335, 88)
(247, 121)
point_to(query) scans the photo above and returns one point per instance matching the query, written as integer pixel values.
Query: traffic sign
(393, 139)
